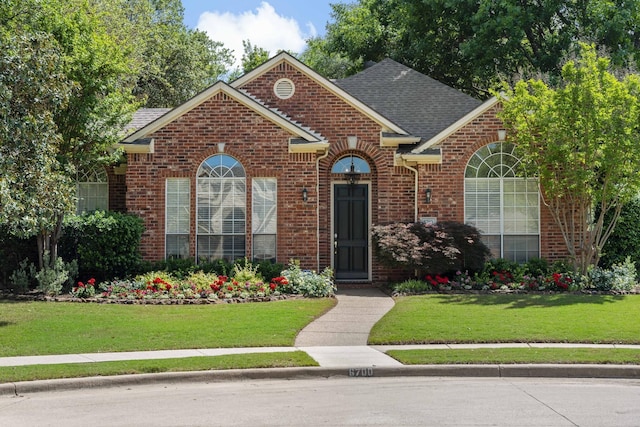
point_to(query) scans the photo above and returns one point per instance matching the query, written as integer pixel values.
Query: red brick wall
(257, 143)
(117, 191)
(447, 181)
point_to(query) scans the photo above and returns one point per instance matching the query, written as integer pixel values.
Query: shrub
(435, 248)
(472, 251)
(106, 244)
(308, 282)
(412, 286)
(536, 267)
(54, 276)
(620, 277)
(270, 270)
(625, 240)
(178, 267)
(23, 277)
(13, 251)
(221, 267)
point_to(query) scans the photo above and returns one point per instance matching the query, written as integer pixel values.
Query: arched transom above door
(345, 164)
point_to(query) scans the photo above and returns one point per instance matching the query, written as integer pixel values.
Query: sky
(270, 24)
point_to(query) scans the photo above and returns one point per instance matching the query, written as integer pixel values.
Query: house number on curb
(360, 372)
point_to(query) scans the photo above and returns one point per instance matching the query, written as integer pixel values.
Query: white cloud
(263, 27)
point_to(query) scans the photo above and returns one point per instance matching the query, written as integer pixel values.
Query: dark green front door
(351, 231)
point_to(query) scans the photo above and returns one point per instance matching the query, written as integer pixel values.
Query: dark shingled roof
(143, 117)
(419, 104)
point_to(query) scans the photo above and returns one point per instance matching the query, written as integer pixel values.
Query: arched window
(343, 165)
(502, 205)
(92, 190)
(221, 209)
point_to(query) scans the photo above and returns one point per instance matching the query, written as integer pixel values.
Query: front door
(351, 231)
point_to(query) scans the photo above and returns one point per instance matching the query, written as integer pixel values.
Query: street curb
(462, 371)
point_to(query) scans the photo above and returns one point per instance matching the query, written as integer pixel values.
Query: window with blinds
(264, 218)
(502, 205)
(92, 190)
(177, 217)
(221, 209)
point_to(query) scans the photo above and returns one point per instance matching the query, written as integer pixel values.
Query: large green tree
(176, 62)
(66, 92)
(35, 188)
(172, 62)
(474, 44)
(72, 73)
(582, 141)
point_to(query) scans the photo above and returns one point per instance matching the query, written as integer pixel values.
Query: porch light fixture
(427, 195)
(502, 135)
(305, 194)
(351, 175)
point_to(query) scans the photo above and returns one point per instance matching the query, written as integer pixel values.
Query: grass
(517, 355)
(510, 318)
(75, 370)
(39, 328)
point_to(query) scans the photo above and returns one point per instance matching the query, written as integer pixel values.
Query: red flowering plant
(559, 282)
(498, 279)
(438, 282)
(279, 284)
(84, 290)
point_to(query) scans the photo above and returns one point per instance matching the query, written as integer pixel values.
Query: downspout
(324, 156)
(415, 188)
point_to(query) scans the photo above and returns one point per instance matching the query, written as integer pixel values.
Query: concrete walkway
(349, 322)
(339, 338)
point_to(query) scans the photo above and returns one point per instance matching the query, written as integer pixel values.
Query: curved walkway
(349, 322)
(339, 337)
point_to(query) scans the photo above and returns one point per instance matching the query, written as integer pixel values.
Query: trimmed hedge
(106, 244)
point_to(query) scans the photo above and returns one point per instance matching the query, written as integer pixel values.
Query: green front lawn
(518, 355)
(233, 361)
(38, 328)
(510, 318)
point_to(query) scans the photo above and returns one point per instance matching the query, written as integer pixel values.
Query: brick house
(285, 164)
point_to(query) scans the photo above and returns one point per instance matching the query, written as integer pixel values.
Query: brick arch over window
(221, 208)
(502, 204)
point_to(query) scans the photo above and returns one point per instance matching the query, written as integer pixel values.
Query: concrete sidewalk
(326, 356)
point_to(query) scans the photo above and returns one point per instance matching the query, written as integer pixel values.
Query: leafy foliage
(13, 251)
(472, 45)
(174, 62)
(55, 275)
(620, 277)
(434, 249)
(309, 283)
(35, 188)
(106, 244)
(625, 238)
(582, 141)
(253, 56)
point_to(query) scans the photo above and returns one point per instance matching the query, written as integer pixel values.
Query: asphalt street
(416, 401)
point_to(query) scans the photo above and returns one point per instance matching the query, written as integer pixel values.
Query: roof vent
(284, 88)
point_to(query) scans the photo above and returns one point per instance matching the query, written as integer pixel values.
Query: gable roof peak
(385, 122)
